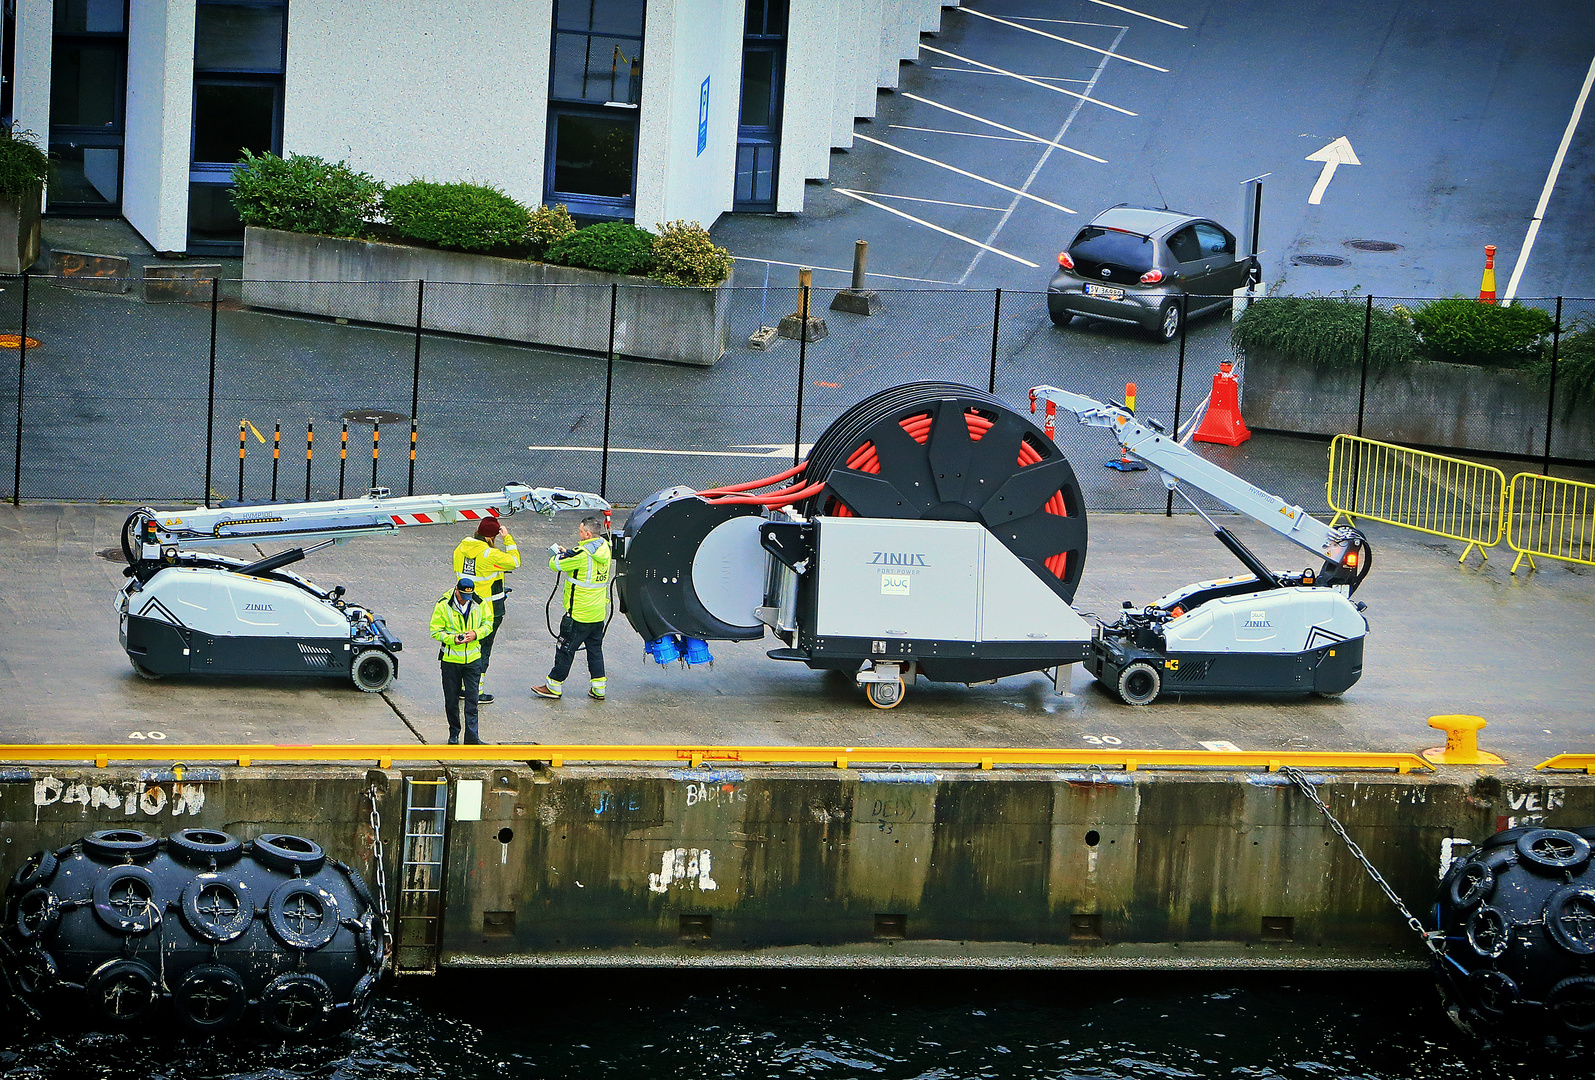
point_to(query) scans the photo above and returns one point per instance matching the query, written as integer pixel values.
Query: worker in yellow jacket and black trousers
(477, 558)
(460, 623)
(585, 596)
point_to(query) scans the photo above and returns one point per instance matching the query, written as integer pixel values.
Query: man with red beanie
(479, 559)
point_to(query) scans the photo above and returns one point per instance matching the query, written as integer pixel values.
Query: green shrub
(304, 194)
(684, 255)
(1575, 368)
(550, 224)
(470, 217)
(612, 246)
(1324, 330)
(1460, 330)
(22, 163)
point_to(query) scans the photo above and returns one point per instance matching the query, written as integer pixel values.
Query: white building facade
(637, 110)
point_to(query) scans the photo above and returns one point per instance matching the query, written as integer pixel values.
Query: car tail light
(1151, 277)
(1065, 261)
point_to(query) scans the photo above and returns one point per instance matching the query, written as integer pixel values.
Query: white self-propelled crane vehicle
(1258, 632)
(188, 612)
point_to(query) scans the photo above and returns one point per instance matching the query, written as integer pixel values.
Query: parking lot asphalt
(1445, 638)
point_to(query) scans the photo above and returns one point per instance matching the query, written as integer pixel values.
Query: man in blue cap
(459, 623)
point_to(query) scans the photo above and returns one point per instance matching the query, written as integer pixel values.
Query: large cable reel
(938, 451)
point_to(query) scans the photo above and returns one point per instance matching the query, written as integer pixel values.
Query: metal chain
(1430, 937)
(382, 874)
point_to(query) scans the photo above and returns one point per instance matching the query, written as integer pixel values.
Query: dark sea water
(838, 1025)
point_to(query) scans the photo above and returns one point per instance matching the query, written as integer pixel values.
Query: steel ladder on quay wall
(418, 920)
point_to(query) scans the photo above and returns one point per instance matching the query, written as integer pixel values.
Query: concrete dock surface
(1445, 638)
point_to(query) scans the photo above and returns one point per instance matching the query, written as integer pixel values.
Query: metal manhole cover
(14, 341)
(374, 416)
(1372, 245)
(112, 554)
(1317, 260)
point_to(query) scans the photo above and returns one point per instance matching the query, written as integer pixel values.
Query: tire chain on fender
(382, 874)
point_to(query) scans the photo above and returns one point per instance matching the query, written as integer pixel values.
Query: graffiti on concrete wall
(130, 798)
(685, 867)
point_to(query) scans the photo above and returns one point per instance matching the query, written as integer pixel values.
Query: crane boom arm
(342, 519)
(1178, 463)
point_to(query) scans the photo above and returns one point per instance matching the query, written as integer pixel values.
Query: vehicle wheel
(143, 672)
(372, 670)
(1139, 683)
(1059, 316)
(1168, 322)
(884, 695)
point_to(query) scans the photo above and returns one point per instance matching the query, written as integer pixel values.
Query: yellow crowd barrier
(840, 757)
(1551, 518)
(1430, 493)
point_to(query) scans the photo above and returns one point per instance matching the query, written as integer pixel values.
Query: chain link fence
(551, 385)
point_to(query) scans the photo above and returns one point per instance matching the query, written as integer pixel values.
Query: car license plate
(1106, 292)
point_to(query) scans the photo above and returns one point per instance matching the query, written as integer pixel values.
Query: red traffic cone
(1126, 463)
(1487, 286)
(1223, 423)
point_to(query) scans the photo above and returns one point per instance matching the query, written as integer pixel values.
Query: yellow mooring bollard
(1461, 742)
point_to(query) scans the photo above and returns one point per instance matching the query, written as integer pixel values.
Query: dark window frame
(583, 204)
(109, 136)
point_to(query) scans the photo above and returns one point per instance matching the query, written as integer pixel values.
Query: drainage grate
(112, 554)
(1372, 245)
(1317, 260)
(374, 416)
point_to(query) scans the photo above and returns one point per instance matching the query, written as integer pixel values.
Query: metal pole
(996, 321)
(609, 388)
(310, 453)
(276, 454)
(343, 457)
(1179, 389)
(1362, 398)
(805, 276)
(1550, 397)
(243, 433)
(210, 394)
(22, 371)
(415, 378)
(376, 441)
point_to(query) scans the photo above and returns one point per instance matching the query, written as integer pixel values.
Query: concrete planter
(1449, 405)
(483, 296)
(21, 231)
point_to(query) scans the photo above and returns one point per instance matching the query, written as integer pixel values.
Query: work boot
(553, 693)
(454, 740)
(596, 691)
(484, 699)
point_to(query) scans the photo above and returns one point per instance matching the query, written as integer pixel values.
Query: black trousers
(461, 682)
(572, 636)
(498, 622)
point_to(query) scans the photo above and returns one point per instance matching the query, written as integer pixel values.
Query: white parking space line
(1141, 14)
(1000, 74)
(936, 228)
(1066, 41)
(1001, 127)
(937, 202)
(965, 134)
(835, 270)
(1026, 79)
(1550, 182)
(965, 172)
(775, 452)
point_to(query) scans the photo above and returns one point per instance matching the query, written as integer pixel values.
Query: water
(644, 1025)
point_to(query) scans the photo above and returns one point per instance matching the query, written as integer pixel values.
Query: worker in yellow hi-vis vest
(584, 593)
(479, 559)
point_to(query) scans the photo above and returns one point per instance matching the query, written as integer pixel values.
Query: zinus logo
(1257, 620)
(898, 558)
(258, 607)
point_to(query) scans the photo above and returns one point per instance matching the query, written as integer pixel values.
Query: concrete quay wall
(647, 866)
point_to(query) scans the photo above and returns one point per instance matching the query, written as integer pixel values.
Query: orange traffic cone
(1223, 423)
(1126, 463)
(1487, 286)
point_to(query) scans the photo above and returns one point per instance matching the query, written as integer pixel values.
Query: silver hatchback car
(1134, 264)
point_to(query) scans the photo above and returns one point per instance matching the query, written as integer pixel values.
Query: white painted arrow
(1336, 153)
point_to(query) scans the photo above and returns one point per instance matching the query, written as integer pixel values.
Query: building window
(238, 91)
(594, 96)
(759, 118)
(88, 90)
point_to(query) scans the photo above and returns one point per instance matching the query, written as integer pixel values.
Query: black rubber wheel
(288, 853)
(1489, 932)
(1168, 322)
(143, 672)
(1139, 683)
(1570, 918)
(295, 1004)
(1492, 993)
(123, 992)
(205, 848)
(210, 998)
(125, 900)
(1058, 315)
(1572, 1002)
(119, 845)
(37, 913)
(302, 915)
(36, 869)
(373, 941)
(1471, 885)
(214, 907)
(886, 695)
(1553, 851)
(36, 971)
(372, 670)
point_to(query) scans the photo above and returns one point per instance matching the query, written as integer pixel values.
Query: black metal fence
(223, 398)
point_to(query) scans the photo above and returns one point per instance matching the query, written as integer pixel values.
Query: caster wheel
(372, 670)
(143, 672)
(884, 695)
(1139, 683)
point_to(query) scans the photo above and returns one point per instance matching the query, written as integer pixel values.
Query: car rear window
(1098, 245)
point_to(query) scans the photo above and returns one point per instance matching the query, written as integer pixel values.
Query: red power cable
(751, 485)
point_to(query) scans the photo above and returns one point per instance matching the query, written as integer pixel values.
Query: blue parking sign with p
(703, 115)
